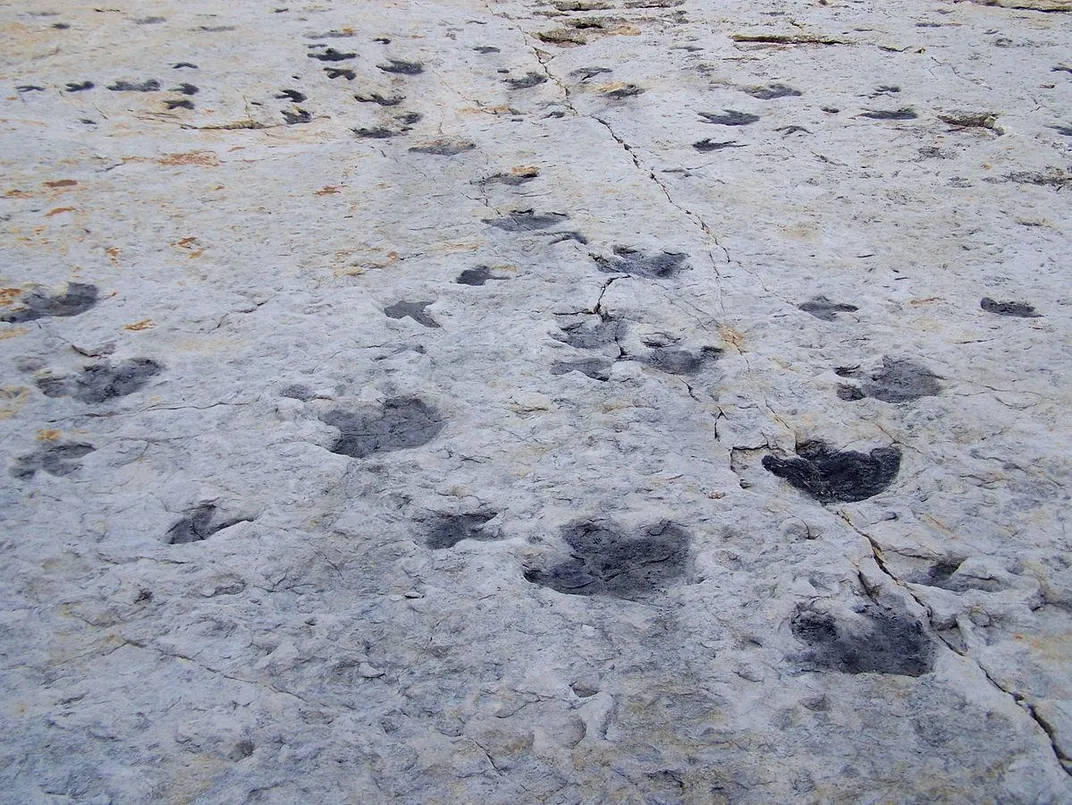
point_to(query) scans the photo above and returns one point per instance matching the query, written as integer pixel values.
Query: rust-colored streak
(205, 159)
(59, 210)
(62, 183)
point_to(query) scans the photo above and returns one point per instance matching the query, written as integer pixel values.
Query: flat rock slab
(574, 402)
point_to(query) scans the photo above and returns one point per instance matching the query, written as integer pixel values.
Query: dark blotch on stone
(55, 459)
(822, 308)
(186, 89)
(628, 91)
(606, 561)
(573, 234)
(530, 79)
(151, 85)
(336, 72)
(78, 298)
(526, 221)
(485, 49)
(380, 100)
(513, 179)
(850, 393)
(332, 55)
(182, 64)
(893, 114)
(376, 133)
(707, 145)
(401, 67)
(448, 530)
(682, 361)
(584, 73)
(772, 91)
(409, 118)
(476, 276)
(297, 391)
(595, 368)
(183, 104)
(401, 423)
(882, 643)
(198, 525)
(901, 381)
(1018, 309)
(731, 117)
(591, 333)
(102, 381)
(82, 87)
(939, 573)
(444, 148)
(631, 261)
(844, 476)
(291, 95)
(414, 310)
(299, 115)
(194, 527)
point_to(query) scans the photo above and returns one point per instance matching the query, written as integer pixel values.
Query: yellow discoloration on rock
(204, 159)
(144, 324)
(12, 398)
(49, 435)
(734, 340)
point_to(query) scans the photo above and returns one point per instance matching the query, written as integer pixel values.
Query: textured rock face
(592, 402)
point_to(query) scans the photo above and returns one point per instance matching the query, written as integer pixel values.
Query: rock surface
(572, 402)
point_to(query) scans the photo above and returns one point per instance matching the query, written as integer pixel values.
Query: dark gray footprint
(413, 310)
(595, 368)
(730, 117)
(56, 459)
(591, 332)
(102, 381)
(198, 525)
(660, 265)
(604, 560)
(675, 361)
(450, 529)
(401, 423)
(773, 91)
(896, 382)
(844, 476)
(78, 298)
(881, 642)
(822, 308)
(526, 221)
(477, 276)
(1020, 310)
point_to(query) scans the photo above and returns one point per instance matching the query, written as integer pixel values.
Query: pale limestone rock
(500, 403)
